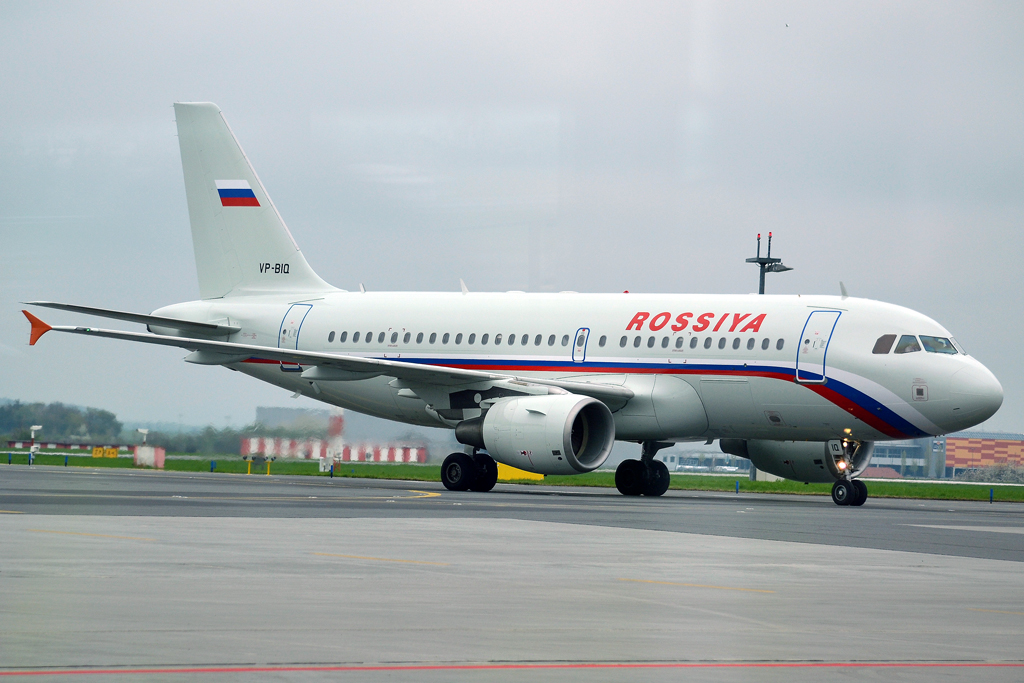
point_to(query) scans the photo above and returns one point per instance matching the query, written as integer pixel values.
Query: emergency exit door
(813, 352)
(291, 326)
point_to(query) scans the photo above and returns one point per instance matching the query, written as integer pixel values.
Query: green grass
(686, 482)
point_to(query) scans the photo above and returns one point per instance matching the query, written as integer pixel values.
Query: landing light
(842, 464)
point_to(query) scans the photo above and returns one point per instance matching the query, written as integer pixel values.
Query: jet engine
(817, 461)
(554, 434)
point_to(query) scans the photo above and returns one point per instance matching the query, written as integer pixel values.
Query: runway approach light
(767, 263)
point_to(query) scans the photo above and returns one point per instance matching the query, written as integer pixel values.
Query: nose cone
(975, 396)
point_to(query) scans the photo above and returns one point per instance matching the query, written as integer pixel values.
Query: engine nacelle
(817, 461)
(554, 434)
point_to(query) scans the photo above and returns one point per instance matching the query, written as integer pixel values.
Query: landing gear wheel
(843, 492)
(658, 478)
(862, 492)
(631, 477)
(486, 473)
(458, 472)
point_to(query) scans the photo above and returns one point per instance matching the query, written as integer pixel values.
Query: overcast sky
(585, 146)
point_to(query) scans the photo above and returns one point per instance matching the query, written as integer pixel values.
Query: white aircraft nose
(975, 396)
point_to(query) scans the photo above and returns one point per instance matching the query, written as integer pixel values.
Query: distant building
(945, 456)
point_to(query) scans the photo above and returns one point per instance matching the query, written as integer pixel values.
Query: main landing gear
(849, 492)
(464, 472)
(646, 476)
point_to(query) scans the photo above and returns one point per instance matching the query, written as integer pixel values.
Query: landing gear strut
(464, 472)
(646, 476)
(849, 492)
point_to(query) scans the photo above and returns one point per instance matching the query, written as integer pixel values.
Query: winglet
(39, 328)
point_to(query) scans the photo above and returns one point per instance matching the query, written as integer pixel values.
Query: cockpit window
(907, 344)
(957, 345)
(884, 343)
(938, 345)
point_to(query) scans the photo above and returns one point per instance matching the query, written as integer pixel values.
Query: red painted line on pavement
(506, 667)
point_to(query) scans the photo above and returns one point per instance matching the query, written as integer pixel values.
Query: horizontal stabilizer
(211, 329)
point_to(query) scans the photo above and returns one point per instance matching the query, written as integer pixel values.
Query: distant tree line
(60, 422)
(1005, 473)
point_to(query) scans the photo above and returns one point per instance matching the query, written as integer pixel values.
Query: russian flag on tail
(236, 193)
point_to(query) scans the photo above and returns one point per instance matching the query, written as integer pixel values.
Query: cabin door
(813, 351)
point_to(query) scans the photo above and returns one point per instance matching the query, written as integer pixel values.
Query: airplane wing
(212, 329)
(329, 366)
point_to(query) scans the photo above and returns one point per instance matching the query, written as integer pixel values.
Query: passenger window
(721, 342)
(636, 342)
(511, 339)
(736, 343)
(497, 339)
(433, 337)
(458, 338)
(602, 340)
(526, 339)
(565, 340)
(622, 343)
(406, 338)
(707, 343)
(330, 337)
(779, 344)
(394, 337)
(472, 338)
(650, 342)
(937, 345)
(679, 342)
(764, 343)
(355, 337)
(907, 344)
(343, 337)
(884, 344)
(537, 339)
(551, 340)
(750, 344)
(664, 342)
(483, 339)
(369, 337)
(380, 338)
(693, 342)
(580, 340)
(419, 338)
(445, 338)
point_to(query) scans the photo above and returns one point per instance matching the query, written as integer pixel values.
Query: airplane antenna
(767, 263)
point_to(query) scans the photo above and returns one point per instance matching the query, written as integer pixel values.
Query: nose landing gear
(849, 492)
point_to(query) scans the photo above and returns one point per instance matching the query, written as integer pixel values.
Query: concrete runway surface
(130, 575)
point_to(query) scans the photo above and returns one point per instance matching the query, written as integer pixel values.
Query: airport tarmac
(186, 577)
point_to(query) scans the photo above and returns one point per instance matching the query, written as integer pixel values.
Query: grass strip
(684, 482)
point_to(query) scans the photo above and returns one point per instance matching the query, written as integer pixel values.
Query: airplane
(803, 386)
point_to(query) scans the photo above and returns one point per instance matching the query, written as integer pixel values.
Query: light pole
(144, 432)
(32, 447)
(767, 263)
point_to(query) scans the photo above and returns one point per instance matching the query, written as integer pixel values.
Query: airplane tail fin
(241, 244)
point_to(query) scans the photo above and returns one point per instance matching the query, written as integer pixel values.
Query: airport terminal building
(945, 456)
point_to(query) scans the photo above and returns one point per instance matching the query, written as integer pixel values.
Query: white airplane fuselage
(740, 355)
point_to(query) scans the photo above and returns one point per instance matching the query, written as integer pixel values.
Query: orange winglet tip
(39, 328)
